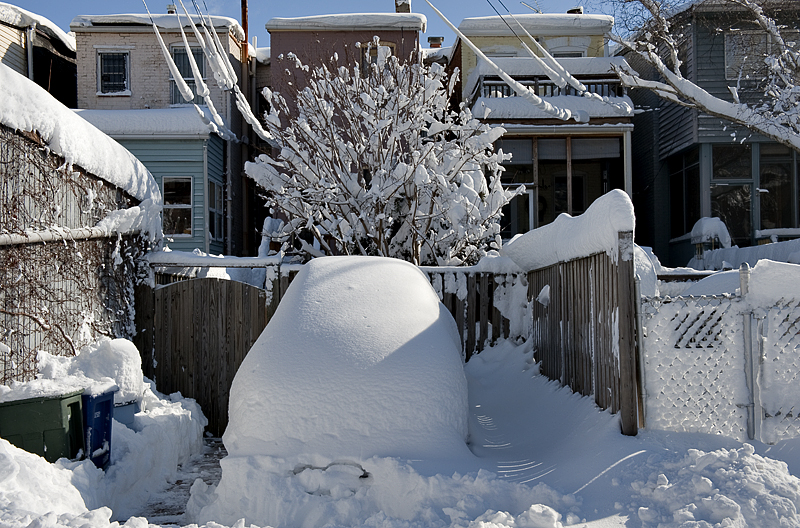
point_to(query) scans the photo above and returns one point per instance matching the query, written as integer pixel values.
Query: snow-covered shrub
(375, 163)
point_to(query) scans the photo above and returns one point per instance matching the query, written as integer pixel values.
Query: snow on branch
(776, 114)
(374, 162)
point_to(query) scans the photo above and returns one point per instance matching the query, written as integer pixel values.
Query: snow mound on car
(360, 359)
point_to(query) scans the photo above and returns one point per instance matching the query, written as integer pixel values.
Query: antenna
(538, 9)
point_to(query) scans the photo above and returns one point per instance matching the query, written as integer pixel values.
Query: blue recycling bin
(98, 410)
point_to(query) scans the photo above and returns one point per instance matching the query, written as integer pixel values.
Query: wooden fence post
(629, 410)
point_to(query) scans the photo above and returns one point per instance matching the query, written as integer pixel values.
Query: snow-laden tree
(657, 36)
(375, 162)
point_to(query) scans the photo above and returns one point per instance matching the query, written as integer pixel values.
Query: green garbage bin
(48, 426)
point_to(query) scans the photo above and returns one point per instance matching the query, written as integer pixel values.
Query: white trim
(113, 47)
(565, 130)
(98, 71)
(190, 207)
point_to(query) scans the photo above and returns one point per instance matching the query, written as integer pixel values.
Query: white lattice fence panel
(780, 372)
(693, 361)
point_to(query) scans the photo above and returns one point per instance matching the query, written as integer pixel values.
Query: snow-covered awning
(27, 107)
(519, 108)
(263, 55)
(351, 21)
(537, 24)
(163, 21)
(180, 122)
(20, 18)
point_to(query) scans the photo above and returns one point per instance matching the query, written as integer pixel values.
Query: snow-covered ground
(538, 455)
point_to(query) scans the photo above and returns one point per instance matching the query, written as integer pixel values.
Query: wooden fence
(194, 334)
(583, 331)
(470, 298)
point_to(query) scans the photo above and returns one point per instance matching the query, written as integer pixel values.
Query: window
(372, 54)
(732, 162)
(684, 194)
(113, 73)
(215, 211)
(178, 206)
(744, 54)
(181, 59)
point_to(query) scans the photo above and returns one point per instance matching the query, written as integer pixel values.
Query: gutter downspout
(228, 185)
(30, 31)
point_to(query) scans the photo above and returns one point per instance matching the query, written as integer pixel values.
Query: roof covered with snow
(25, 106)
(441, 55)
(20, 18)
(163, 122)
(519, 108)
(538, 24)
(163, 21)
(350, 21)
(263, 55)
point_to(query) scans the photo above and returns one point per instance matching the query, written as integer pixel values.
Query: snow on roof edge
(178, 121)
(163, 21)
(343, 21)
(537, 23)
(18, 17)
(28, 107)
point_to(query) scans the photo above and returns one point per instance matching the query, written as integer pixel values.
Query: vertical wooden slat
(471, 315)
(483, 279)
(627, 346)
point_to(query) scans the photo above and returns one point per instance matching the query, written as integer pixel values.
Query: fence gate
(194, 334)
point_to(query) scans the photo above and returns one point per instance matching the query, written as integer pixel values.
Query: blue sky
(61, 12)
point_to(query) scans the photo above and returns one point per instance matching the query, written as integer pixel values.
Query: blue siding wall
(177, 157)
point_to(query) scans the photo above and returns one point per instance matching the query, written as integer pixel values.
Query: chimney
(575, 10)
(435, 42)
(402, 6)
(171, 9)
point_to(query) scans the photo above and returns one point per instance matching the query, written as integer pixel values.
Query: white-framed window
(181, 59)
(561, 47)
(113, 72)
(745, 51)
(177, 212)
(215, 211)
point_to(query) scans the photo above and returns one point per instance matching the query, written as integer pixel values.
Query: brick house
(124, 80)
(315, 40)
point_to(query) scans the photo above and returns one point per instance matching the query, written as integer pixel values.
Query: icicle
(200, 85)
(186, 92)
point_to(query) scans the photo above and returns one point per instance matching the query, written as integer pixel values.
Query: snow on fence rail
(62, 285)
(727, 364)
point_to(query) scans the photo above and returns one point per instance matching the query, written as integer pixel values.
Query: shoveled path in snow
(169, 506)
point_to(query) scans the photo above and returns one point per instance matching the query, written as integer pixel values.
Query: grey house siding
(678, 124)
(177, 157)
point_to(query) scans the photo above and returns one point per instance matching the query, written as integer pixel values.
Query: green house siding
(184, 157)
